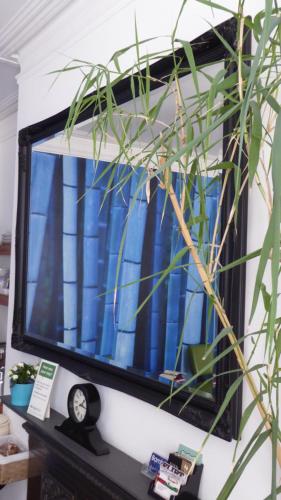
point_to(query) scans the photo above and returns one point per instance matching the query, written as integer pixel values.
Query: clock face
(83, 404)
(79, 405)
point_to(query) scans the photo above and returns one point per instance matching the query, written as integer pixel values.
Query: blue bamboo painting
(174, 295)
(118, 211)
(198, 325)
(131, 273)
(42, 171)
(92, 203)
(75, 233)
(69, 260)
(161, 227)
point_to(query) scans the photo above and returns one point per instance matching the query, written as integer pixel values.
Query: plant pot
(21, 394)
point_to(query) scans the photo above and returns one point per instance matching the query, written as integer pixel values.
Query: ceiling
(8, 9)
(20, 21)
(8, 84)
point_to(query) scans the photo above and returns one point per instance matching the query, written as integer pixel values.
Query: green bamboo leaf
(122, 51)
(241, 261)
(273, 103)
(187, 148)
(198, 389)
(256, 137)
(199, 219)
(274, 444)
(249, 445)
(245, 418)
(223, 333)
(232, 480)
(189, 130)
(270, 23)
(217, 358)
(164, 275)
(266, 297)
(265, 252)
(211, 101)
(237, 184)
(228, 397)
(257, 25)
(88, 79)
(140, 280)
(218, 6)
(225, 43)
(278, 490)
(191, 61)
(229, 82)
(147, 88)
(178, 19)
(224, 165)
(179, 349)
(192, 64)
(276, 217)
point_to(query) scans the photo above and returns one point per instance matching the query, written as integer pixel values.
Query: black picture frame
(201, 411)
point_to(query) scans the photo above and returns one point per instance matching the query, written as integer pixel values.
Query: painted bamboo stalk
(131, 272)
(197, 303)
(70, 197)
(265, 415)
(156, 328)
(212, 207)
(118, 211)
(173, 299)
(194, 296)
(42, 173)
(92, 202)
(103, 254)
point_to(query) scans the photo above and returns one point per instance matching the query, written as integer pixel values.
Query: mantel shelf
(4, 299)
(117, 468)
(116, 476)
(5, 249)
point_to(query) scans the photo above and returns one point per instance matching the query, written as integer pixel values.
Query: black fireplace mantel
(70, 472)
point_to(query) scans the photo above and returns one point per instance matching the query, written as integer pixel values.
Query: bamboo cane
(219, 308)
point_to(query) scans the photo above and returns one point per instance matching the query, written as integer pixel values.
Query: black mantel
(70, 472)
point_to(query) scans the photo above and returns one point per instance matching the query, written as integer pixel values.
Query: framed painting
(95, 288)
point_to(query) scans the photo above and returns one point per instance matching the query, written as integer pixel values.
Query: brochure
(40, 399)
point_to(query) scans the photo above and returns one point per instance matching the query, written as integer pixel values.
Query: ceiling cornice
(29, 20)
(8, 105)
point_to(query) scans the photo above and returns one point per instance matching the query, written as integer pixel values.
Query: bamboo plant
(252, 94)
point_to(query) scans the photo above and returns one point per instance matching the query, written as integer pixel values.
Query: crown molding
(30, 19)
(8, 105)
(9, 60)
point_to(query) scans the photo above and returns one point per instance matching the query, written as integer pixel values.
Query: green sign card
(40, 398)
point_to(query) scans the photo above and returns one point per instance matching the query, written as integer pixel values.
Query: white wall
(8, 140)
(135, 427)
(8, 128)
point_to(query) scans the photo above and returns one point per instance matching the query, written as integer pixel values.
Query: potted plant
(252, 96)
(22, 377)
